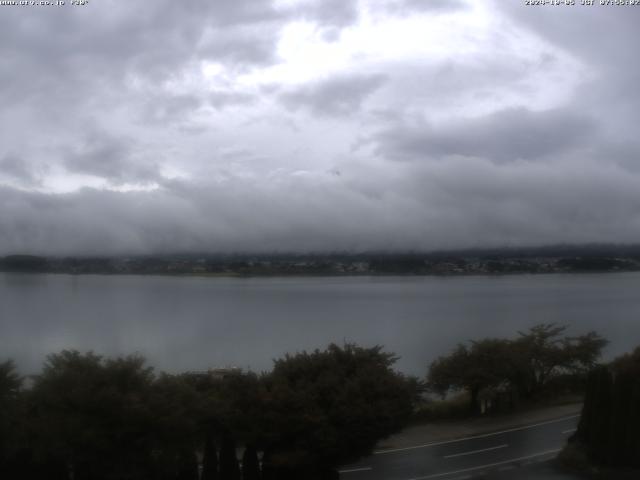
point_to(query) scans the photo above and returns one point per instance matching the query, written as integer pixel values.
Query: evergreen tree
(610, 419)
(229, 468)
(268, 472)
(250, 464)
(209, 460)
(10, 385)
(598, 439)
(187, 465)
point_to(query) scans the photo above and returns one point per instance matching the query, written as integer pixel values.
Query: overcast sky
(317, 125)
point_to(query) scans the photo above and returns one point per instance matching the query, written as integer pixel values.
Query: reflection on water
(193, 323)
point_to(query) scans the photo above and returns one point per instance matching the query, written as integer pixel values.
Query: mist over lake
(193, 323)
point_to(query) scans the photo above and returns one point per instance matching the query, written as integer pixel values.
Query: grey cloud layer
(92, 92)
(18, 168)
(460, 203)
(507, 135)
(412, 6)
(112, 158)
(335, 96)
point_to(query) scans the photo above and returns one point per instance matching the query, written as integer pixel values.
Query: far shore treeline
(558, 259)
(89, 417)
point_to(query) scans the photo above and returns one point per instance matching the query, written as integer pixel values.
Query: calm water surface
(182, 323)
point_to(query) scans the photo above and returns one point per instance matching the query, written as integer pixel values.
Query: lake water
(192, 323)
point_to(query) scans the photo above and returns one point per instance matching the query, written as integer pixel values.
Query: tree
(485, 364)
(523, 366)
(23, 263)
(10, 385)
(93, 414)
(610, 420)
(17, 456)
(250, 464)
(176, 407)
(187, 465)
(209, 459)
(328, 407)
(229, 468)
(10, 381)
(541, 353)
(97, 418)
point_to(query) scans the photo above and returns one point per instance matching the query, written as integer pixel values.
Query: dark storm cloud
(508, 135)
(150, 41)
(109, 157)
(330, 13)
(624, 154)
(18, 169)
(169, 108)
(64, 68)
(403, 7)
(131, 31)
(604, 35)
(110, 90)
(66, 56)
(606, 39)
(243, 47)
(221, 99)
(342, 95)
(415, 206)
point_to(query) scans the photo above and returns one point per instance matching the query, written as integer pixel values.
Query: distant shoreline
(589, 259)
(322, 275)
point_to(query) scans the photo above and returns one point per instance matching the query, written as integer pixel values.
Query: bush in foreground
(609, 428)
(104, 418)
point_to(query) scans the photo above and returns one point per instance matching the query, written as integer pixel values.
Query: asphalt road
(480, 455)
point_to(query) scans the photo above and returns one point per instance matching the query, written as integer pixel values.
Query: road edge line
(483, 435)
(489, 465)
(472, 452)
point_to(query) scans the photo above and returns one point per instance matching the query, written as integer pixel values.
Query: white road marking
(571, 430)
(354, 470)
(476, 451)
(489, 465)
(485, 435)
